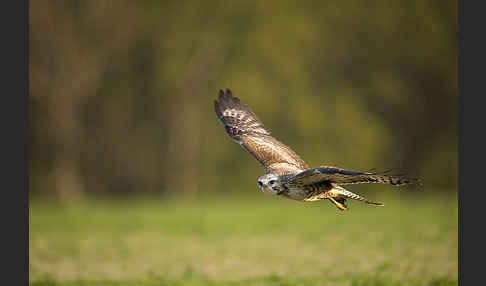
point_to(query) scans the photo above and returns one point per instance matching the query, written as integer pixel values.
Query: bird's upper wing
(243, 126)
(343, 177)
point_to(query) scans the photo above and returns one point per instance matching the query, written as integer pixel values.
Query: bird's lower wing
(343, 177)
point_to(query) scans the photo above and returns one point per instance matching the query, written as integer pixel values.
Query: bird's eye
(271, 182)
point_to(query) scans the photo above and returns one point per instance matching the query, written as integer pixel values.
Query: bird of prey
(287, 174)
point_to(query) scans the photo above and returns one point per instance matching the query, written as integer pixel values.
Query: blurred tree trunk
(67, 68)
(186, 128)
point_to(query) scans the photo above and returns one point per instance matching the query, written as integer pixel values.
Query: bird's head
(269, 183)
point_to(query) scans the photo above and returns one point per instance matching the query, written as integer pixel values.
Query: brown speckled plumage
(287, 174)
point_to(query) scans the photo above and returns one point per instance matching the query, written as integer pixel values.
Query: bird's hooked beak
(261, 185)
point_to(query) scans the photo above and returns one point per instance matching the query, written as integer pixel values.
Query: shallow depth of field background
(133, 181)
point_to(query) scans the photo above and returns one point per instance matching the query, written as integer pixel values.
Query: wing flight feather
(243, 126)
(344, 177)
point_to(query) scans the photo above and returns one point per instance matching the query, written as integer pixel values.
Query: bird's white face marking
(269, 183)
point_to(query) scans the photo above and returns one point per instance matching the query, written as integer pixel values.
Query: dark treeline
(121, 91)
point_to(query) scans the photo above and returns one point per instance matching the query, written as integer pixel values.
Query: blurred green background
(121, 91)
(121, 106)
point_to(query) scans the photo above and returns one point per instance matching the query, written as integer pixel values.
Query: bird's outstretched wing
(344, 177)
(243, 126)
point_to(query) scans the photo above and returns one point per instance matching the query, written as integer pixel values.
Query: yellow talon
(338, 204)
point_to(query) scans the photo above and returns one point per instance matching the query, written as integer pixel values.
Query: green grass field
(245, 240)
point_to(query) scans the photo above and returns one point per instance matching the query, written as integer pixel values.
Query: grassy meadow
(254, 239)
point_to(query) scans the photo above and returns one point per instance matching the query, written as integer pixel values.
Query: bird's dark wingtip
(411, 181)
(217, 108)
(226, 99)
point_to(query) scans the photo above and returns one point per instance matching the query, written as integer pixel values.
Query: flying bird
(287, 174)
